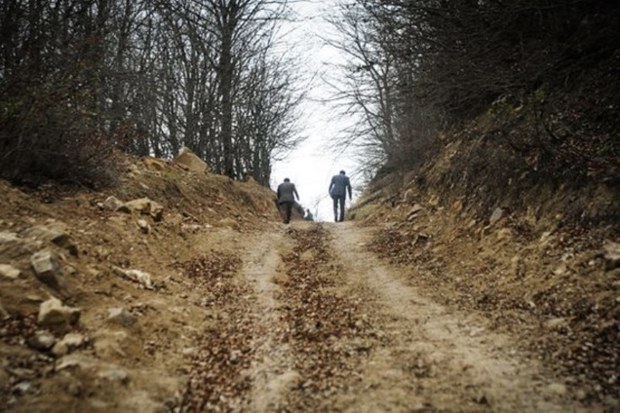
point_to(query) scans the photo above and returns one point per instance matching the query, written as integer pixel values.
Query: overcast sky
(312, 164)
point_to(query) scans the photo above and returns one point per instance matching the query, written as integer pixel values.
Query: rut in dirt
(311, 321)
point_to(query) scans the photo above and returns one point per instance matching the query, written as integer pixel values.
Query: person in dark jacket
(338, 188)
(286, 198)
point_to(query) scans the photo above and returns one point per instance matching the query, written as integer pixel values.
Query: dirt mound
(98, 303)
(537, 257)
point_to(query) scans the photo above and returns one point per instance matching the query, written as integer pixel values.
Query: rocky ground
(181, 291)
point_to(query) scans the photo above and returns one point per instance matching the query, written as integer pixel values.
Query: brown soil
(247, 314)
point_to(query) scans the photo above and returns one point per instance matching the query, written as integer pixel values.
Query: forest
(81, 79)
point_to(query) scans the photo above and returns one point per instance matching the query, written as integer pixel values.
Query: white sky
(311, 166)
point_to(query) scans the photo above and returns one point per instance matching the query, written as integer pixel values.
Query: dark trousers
(339, 202)
(285, 210)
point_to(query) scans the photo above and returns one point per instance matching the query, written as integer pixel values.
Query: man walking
(338, 188)
(286, 198)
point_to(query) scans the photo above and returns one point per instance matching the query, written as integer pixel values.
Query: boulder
(121, 316)
(56, 316)
(144, 206)
(47, 268)
(187, 159)
(68, 343)
(112, 203)
(55, 233)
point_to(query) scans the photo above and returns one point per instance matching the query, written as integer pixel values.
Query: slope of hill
(539, 255)
(94, 289)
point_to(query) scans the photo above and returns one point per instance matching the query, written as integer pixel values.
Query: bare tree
(79, 77)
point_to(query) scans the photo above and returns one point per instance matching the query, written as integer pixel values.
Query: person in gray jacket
(338, 188)
(286, 198)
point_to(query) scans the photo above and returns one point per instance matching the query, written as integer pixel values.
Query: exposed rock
(121, 316)
(69, 270)
(47, 268)
(497, 214)
(68, 343)
(42, 340)
(138, 276)
(229, 222)
(555, 323)
(557, 388)
(55, 233)
(144, 226)
(133, 169)
(113, 374)
(7, 237)
(190, 161)
(561, 269)
(611, 255)
(154, 163)
(191, 228)
(408, 196)
(13, 247)
(307, 256)
(144, 206)
(53, 314)
(24, 387)
(77, 361)
(414, 211)
(112, 203)
(8, 271)
(105, 371)
(504, 234)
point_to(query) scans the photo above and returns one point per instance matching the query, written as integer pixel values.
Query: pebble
(24, 387)
(557, 389)
(114, 374)
(10, 272)
(42, 341)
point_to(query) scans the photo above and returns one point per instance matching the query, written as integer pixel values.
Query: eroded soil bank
(209, 304)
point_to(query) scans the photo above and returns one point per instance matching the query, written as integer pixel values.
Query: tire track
(271, 369)
(434, 360)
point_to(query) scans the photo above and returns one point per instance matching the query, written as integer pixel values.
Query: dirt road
(314, 322)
